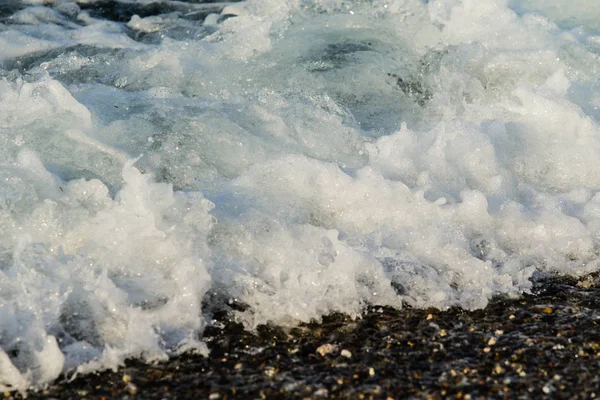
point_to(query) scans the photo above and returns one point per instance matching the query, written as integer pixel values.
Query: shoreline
(545, 344)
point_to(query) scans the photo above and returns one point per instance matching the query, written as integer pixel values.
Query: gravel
(541, 345)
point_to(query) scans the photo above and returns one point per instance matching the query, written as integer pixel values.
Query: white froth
(301, 158)
(16, 44)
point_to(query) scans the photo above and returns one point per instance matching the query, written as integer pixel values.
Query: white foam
(397, 152)
(111, 278)
(16, 44)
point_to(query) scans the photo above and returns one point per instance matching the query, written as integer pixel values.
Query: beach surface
(541, 345)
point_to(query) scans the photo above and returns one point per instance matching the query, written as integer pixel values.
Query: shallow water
(285, 160)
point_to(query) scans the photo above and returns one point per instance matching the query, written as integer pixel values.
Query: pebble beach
(542, 345)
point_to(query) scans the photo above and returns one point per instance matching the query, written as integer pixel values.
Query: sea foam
(283, 160)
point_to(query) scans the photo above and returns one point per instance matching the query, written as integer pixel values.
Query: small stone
(214, 396)
(546, 389)
(486, 350)
(499, 332)
(238, 366)
(131, 388)
(429, 316)
(586, 283)
(498, 369)
(321, 393)
(547, 310)
(443, 333)
(270, 371)
(346, 353)
(492, 341)
(371, 371)
(126, 378)
(511, 316)
(325, 349)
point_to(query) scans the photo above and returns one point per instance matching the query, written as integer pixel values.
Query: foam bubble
(102, 277)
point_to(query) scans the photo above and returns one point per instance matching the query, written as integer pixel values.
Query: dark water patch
(118, 11)
(9, 7)
(176, 31)
(122, 12)
(34, 60)
(413, 88)
(336, 56)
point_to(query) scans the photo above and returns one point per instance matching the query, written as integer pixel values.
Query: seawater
(283, 159)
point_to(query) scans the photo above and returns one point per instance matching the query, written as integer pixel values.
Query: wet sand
(542, 345)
